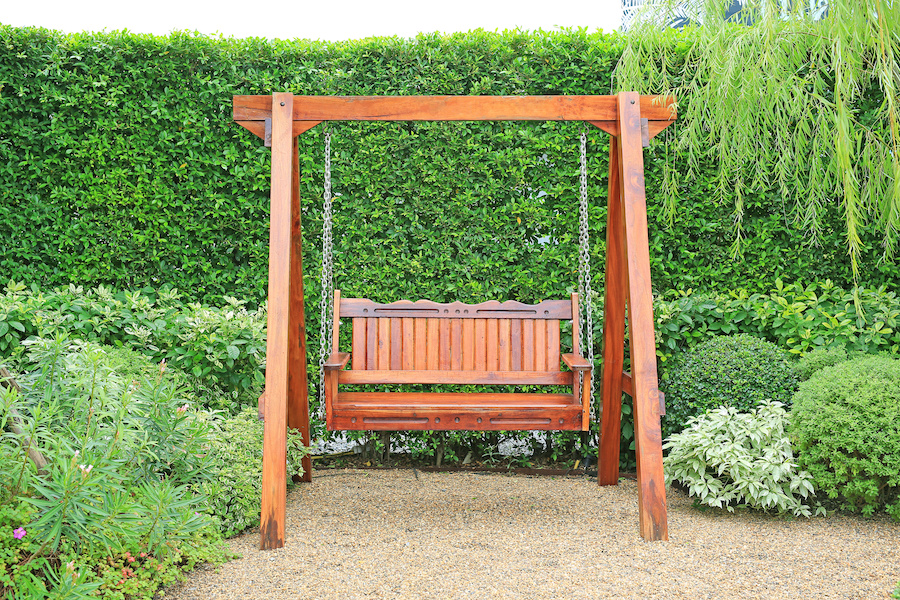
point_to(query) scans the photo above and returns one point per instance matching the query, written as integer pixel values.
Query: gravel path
(387, 534)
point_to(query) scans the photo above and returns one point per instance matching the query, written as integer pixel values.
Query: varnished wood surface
(451, 108)
(548, 309)
(457, 377)
(615, 293)
(648, 442)
(298, 400)
(275, 431)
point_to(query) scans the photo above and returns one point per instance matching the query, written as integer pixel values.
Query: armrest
(337, 360)
(577, 363)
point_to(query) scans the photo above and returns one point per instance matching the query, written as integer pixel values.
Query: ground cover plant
(728, 458)
(846, 423)
(112, 506)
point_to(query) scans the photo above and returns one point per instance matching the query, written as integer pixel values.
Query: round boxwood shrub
(846, 422)
(740, 371)
(818, 359)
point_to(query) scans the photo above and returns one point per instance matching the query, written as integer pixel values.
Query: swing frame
(630, 119)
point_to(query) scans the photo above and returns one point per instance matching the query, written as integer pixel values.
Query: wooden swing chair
(425, 342)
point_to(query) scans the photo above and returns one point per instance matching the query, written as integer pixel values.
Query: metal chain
(326, 308)
(586, 317)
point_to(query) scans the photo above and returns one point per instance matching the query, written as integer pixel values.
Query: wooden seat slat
(460, 400)
(432, 343)
(503, 348)
(359, 343)
(492, 340)
(540, 347)
(444, 345)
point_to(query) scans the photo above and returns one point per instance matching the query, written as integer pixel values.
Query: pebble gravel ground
(359, 534)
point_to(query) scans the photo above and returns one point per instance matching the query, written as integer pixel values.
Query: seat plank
(470, 400)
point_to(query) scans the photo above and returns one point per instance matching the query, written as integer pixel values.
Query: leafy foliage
(113, 512)
(221, 349)
(739, 371)
(817, 360)
(846, 422)
(234, 484)
(807, 107)
(728, 458)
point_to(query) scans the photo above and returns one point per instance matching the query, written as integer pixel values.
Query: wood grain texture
(613, 325)
(548, 309)
(336, 321)
(553, 345)
(258, 128)
(452, 108)
(648, 441)
(396, 343)
(480, 326)
(275, 430)
(371, 343)
(384, 344)
(421, 343)
(468, 344)
(358, 347)
(298, 400)
(408, 354)
(432, 344)
(528, 345)
(458, 377)
(492, 352)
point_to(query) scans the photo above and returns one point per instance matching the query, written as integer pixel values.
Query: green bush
(728, 459)
(817, 360)
(112, 513)
(234, 485)
(846, 422)
(740, 371)
(220, 350)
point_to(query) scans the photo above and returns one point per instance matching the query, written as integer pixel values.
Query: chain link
(326, 308)
(586, 317)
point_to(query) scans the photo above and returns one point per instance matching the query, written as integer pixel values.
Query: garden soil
(404, 534)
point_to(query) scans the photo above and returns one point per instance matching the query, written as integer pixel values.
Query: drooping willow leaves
(754, 96)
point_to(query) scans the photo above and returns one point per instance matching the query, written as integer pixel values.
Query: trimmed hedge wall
(120, 165)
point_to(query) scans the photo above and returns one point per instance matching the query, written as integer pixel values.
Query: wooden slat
(396, 343)
(548, 309)
(504, 350)
(480, 345)
(553, 346)
(460, 400)
(432, 343)
(358, 350)
(421, 339)
(492, 342)
(468, 344)
(450, 108)
(444, 347)
(540, 346)
(275, 430)
(457, 377)
(648, 439)
(371, 343)
(384, 344)
(528, 345)
(576, 326)
(456, 344)
(408, 355)
(515, 344)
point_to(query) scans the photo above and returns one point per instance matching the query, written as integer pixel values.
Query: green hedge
(120, 165)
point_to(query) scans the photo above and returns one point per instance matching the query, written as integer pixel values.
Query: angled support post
(275, 431)
(644, 380)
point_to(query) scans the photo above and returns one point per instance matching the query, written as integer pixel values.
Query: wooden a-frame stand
(630, 119)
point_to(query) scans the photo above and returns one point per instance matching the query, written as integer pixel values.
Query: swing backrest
(429, 342)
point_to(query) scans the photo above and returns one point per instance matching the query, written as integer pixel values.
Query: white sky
(313, 19)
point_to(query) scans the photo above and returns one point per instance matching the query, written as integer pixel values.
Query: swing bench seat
(425, 342)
